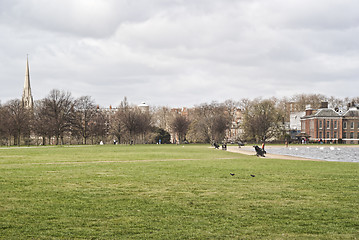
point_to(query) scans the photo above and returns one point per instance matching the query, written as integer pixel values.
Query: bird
(253, 175)
(232, 174)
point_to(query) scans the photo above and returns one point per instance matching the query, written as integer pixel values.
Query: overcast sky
(180, 52)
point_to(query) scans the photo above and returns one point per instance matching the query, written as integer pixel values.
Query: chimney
(308, 110)
(324, 105)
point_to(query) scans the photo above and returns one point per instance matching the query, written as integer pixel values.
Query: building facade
(294, 127)
(350, 125)
(330, 125)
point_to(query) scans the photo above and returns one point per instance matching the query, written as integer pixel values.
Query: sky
(179, 53)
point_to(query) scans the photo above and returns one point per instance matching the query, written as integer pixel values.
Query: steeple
(27, 99)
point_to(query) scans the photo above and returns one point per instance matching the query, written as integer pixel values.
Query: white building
(295, 120)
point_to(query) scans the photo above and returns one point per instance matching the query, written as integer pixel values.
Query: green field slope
(172, 192)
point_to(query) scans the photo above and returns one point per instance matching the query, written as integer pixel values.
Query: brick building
(331, 125)
(350, 131)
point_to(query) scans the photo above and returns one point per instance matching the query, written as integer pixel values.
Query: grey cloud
(84, 18)
(307, 14)
(179, 52)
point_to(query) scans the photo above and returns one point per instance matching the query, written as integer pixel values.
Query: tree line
(60, 119)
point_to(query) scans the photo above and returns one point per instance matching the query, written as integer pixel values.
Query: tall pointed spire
(27, 99)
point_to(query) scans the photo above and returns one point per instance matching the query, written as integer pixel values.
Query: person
(286, 143)
(224, 146)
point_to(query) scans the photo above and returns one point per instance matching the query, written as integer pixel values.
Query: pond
(328, 153)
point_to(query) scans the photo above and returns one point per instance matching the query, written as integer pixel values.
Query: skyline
(180, 53)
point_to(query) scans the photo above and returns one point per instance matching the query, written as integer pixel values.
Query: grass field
(172, 192)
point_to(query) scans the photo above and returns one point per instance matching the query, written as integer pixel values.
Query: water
(327, 153)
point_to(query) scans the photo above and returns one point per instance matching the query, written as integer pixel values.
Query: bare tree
(130, 122)
(144, 120)
(98, 127)
(60, 112)
(179, 126)
(302, 100)
(5, 132)
(161, 117)
(220, 123)
(42, 126)
(127, 120)
(19, 120)
(85, 112)
(210, 122)
(261, 120)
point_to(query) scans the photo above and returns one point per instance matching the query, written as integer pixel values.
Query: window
(328, 124)
(335, 134)
(311, 125)
(358, 135)
(352, 125)
(351, 135)
(320, 134)
(345, 125)
(335, 125)
(320, 124)
(344, 135)
(328, 136)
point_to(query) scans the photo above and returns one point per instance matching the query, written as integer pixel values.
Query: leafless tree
(161, 117)
(127, 121)
(19, 119)
(300, 101)
(99, 127)
(144, 123)
(261, 120)
(42, 126)
(210, 122)
(130, 123)
(85, 109)
(60, 112)
(5, 133)
(179, 126)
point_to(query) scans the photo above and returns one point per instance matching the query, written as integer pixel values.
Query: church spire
(27, 99)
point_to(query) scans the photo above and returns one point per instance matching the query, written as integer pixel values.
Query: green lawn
(172, 192)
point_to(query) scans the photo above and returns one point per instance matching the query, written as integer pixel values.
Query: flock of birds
(321, 148)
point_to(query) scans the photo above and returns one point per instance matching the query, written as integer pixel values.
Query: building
(331, 125)
(144, 107)
(350, 125)
(294, 127)
(27, 100)
(234, 133)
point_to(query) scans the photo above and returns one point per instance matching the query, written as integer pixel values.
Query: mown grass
(173, 192)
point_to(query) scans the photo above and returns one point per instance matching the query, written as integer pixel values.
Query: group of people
(304, 140)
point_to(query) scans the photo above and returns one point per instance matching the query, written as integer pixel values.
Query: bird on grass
(253, 175)
(232, 174)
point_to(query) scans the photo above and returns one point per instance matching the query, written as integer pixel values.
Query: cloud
(180, 52)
